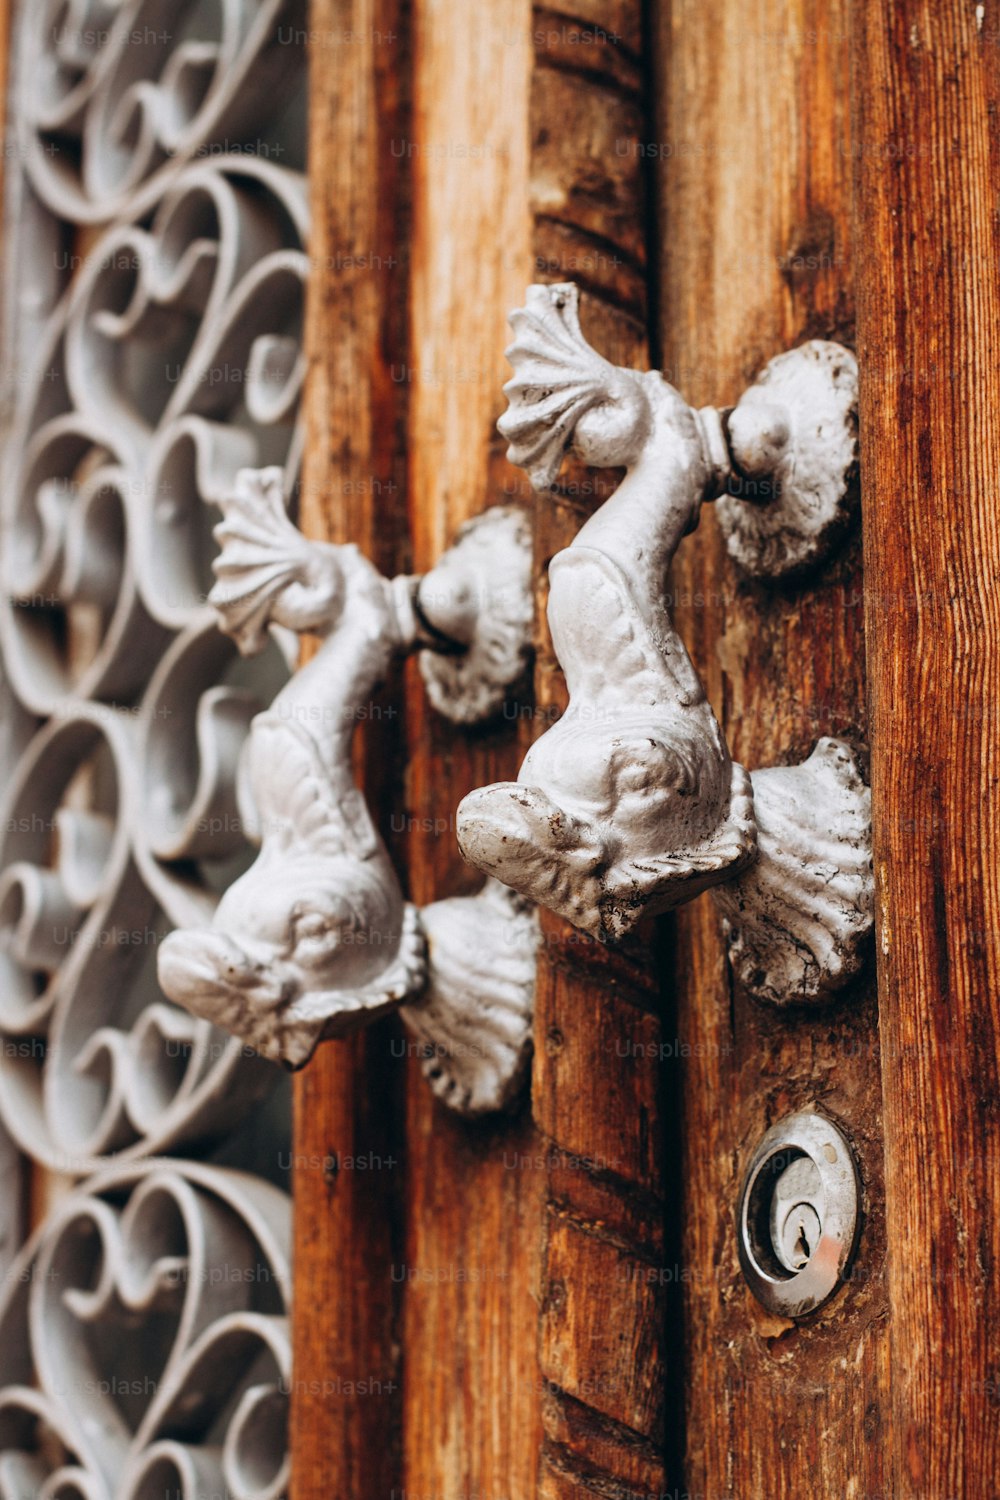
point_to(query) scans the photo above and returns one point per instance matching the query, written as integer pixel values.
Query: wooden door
(759, 251)
(836, 186)
(476, 1318)
(545, 1304)
(552, 1304)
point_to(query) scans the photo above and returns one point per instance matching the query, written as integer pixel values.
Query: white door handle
(631, 804)
(316, 938)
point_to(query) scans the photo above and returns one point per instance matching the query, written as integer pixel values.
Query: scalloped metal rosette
(790, 501)
(495, 551)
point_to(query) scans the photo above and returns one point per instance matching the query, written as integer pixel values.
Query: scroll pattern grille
(143, 1342)
(156, 224)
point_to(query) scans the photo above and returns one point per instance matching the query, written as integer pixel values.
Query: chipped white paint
(480, 595)
(474, 1018)
(793, 439)
(316, 938)
(631, 804)
(797, 918)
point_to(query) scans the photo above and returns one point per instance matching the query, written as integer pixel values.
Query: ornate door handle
(631, 804)
(316, 939)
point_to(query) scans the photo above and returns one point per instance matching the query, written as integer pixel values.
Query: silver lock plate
(798, 1214)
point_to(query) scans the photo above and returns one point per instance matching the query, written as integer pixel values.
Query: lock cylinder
(798, 1214)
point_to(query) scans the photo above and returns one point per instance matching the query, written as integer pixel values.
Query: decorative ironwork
(631, 804)
(171, 360)
(143, 1341)
(156, 226)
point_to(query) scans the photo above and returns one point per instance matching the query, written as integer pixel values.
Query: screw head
(798, 1214)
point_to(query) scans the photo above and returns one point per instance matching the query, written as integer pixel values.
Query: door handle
(631, 803)
(316, 939)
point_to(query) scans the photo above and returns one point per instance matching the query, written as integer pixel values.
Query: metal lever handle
(631, 804)
(316, 939)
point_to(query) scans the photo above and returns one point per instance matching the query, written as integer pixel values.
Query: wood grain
(346, 1408)
(538, 1281)
(753, 157)
(607, 1417)
(473, 1191)
(509, 170)
(927, 163)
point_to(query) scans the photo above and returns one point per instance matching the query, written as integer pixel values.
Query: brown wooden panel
(594, 1091)
(346, 1412)
(599, 1036)
(752, 154)
(600, 1315)
(588, 1454)
(473, 1194)
(927, 157)
(506, 170)
(20, 1183)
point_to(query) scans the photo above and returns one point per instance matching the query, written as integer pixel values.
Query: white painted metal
(474, 1019)
(316, 938)
(793, 438)
(631, 804)
(169, 359)
(144, 1342)
(797, 921)
(143, 1329)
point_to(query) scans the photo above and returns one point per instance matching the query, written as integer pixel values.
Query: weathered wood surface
(346, 1408)
(927, 161)
(610, 1403)
(469, 1323)
(753, 158)
(417, 1283)
(527, 1290)
(13, 1174)
(521, 1261)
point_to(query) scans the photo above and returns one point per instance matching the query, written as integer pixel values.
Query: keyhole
(796, 1204)
(802, 1245)
(799, 1236)
(798, 1214)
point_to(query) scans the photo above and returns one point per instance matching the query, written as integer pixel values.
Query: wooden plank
(13, 1224)
(752, 155)
(474, 1191)
(597, 1099)
(479, 1198)
(927, 163)
(346, 1396)
(600, 1314)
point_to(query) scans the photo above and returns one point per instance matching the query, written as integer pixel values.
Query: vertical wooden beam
(471, 1410)
(598, 1025)
(346, 1399)
(512, 149)
(753, 158)
(927, 156)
